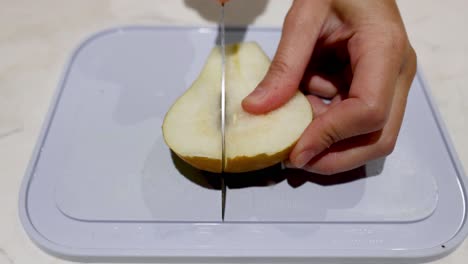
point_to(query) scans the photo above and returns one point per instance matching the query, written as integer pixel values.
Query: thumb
(300, 32)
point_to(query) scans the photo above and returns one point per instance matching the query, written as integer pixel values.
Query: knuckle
(412, 61)
(391, 38)
(396, 39)
(327, 139)
(412, 55)
(386, 145)
(279, 66)
(331, 135)
(375, 115)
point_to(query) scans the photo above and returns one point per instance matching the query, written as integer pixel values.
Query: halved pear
(192, 126)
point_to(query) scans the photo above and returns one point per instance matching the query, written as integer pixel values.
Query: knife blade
(223, 110)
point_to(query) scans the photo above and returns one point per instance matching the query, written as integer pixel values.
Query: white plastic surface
(103, 186)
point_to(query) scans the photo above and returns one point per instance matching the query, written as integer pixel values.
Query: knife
(223, 111)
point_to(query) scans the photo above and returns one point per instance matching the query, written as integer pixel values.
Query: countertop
(36, 38)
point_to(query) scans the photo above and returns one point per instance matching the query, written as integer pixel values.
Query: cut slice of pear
(192, 126)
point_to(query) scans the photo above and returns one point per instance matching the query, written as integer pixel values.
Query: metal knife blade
(223, 110)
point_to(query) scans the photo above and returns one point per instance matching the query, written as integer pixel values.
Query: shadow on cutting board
(201, 178)
(236, 14)
(274, 175)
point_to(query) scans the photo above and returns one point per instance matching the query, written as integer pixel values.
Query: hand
(355, 53)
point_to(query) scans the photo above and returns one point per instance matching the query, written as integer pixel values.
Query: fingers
(366, 110)
(318, 106)
(300, 32)
(376, 60)
(322, 87)
(355, 152)
(327, 85)
(346, 155)
(341, 121)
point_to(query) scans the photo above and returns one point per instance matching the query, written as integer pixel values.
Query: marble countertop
(36, 38)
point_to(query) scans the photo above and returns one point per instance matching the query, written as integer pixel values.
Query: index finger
(300, 32)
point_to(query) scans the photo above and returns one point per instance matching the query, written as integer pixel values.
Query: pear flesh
(192, 126)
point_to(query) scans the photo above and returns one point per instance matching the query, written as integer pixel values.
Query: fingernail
(287, 165)
(303, 158)
(257, 94)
